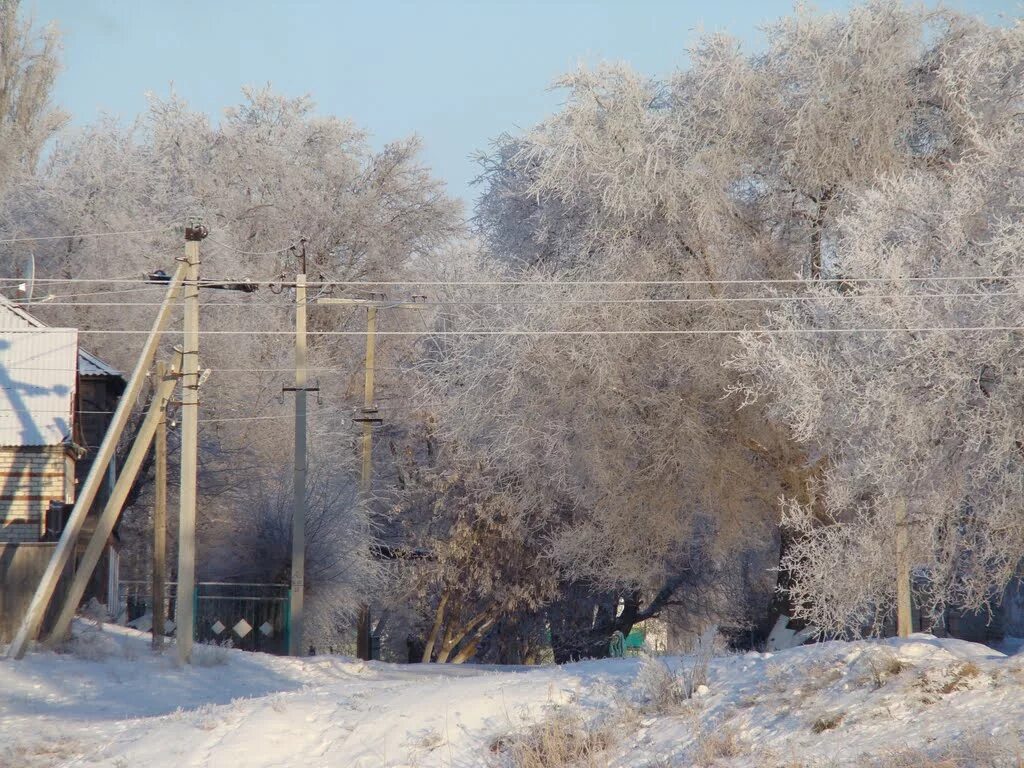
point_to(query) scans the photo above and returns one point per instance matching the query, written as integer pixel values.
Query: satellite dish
(27, 287)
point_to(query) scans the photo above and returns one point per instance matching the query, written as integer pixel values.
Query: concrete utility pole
(370, 417)
(97, 475)
(184, 613)
(112, 509)
(295, 604)
(160, 521)
(904, 608)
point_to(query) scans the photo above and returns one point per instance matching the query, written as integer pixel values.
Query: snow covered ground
(112, 703)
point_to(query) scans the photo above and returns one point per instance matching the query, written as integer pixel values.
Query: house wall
(97, 399)
(21, 568)
(30, 478)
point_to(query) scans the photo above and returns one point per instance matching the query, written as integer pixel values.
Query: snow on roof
(38, 369)
(17, 317)
(37, 385)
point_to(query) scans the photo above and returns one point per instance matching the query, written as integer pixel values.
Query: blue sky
(455, 72)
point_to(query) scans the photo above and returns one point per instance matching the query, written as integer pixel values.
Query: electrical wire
(635, 283)
(88, 234)
(250, 253)
(582, 302)
(548, 283)
(584, 332)
(244, 418)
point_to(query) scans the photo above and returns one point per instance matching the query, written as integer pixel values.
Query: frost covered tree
(29, 62)
(928, 414)
(925, 409)
(738, 168)
(270, 172)
(479, 557)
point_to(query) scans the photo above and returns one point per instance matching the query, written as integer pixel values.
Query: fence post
(287, 621)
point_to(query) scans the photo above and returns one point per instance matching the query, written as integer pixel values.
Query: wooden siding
(30, 478)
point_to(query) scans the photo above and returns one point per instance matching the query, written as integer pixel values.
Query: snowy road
(131, 709)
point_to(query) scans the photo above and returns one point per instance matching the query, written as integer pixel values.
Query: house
(56, 401)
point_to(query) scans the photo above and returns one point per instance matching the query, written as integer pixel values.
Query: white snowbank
(114, 703)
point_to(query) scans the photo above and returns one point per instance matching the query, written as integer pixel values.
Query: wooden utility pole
(295, 625)
(112, 509)
(369, 409)
(160, 522)
(904, 608)
(297, 597)
(364, 628)
(370, 417)
(33, 618)
(184, 606)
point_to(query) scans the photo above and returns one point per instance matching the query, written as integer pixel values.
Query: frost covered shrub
(982, 751)
(661, 688)
(882, 667)
(827, 723)
(211, 654)
(91, 643)
(562, 740)
(664, 688)
(724, 742)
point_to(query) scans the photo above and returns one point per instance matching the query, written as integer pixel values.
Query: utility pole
(160, 521)
(904, 608)
(184, 614)
(163, 388)
(369, 417)
(295, 603)
(33, 618)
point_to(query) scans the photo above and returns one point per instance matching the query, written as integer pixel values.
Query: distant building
(56, 402)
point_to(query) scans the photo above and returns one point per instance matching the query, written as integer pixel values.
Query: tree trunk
(467, 651)
(591, 642)
(455, 636)
(819, 222)
(428, 649)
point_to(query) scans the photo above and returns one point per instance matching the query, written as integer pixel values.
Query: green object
(617, 646)
(636, 638)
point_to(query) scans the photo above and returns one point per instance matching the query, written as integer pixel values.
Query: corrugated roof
(18, 317)
(38, 367)
(37, 385)
(90, 365)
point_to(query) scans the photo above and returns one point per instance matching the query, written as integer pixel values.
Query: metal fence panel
(252, 617)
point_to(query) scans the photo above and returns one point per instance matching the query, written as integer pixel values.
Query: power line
(341, 369)
(250, 253)
(44, 303)
(582, 302)
(637, 283)
(244, 418)
(548, 283)
(585, 332)
(87, 234)
(55, 410)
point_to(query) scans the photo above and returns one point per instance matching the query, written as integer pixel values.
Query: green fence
(250, 616)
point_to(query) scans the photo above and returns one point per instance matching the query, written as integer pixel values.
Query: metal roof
(37, 385)
(18, 317)
(90, 365)
(38, 369)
